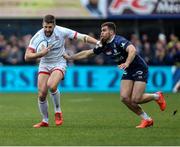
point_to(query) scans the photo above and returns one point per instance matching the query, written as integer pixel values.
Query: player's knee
(125, 99)
(42, 95)
(42, 99)
(52, 87)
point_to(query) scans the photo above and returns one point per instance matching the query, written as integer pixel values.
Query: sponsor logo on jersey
(122, 45)
(139, 72)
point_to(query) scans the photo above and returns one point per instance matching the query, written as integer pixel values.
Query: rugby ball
(41, 44)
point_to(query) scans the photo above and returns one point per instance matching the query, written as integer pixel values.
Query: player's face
(48, 28)
(106, 34)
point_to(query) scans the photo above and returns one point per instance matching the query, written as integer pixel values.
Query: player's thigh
(42, 82)
(138, 90)
(54, 79)
(126, 88)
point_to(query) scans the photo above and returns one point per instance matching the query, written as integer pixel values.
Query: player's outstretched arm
(91, 40)
(86, 38)
(80, 55)
(30, 55)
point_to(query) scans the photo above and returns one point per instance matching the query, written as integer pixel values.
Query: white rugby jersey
(57, 39)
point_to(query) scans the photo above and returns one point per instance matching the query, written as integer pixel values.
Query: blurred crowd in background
(165, 51)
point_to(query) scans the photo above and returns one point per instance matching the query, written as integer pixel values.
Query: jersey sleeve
(69, 33)
(124, 43)
(97, 51)
(33, 43)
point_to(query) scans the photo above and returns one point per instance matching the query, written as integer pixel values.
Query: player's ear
(111, 32)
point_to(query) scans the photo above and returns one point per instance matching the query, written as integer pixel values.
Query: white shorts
(45, 68)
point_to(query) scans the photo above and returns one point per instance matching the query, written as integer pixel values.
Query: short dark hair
(49, 19)
(110, 25)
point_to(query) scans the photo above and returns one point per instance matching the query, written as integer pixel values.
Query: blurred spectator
(12, 50)
(4, 53)
(136, 42)
(15, 56)
(147, 53)
(173, 48)
(13, 40)
(173, 41)
(147, 50)
(2, 48)
(160, 56)
(162, 39)
(2, 41)
(145, 38)
(177, 55)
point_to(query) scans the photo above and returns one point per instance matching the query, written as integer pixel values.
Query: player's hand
(98, 44)
(66, 56)
(45, 50)
(123, 65)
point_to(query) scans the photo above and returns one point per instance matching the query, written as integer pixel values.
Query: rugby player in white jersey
(52, 65)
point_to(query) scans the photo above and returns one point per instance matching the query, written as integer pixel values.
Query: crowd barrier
(85, 79)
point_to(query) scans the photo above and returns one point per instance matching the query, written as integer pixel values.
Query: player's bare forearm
(91, 40)
(83, 55)
(29, 55)
(32, 56)
(86, 38)
(79, 56)
(131, 54)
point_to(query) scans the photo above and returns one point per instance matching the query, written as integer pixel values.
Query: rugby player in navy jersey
(134, 79)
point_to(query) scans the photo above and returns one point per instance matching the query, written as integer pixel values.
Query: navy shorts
(137, 74)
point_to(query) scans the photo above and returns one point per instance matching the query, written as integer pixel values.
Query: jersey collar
(109, 41)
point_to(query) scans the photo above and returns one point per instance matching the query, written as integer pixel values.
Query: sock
(43, 107)
(145, 116)
(56, 100)
(156, 96)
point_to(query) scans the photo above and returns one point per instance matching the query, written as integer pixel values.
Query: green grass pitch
(89, 119)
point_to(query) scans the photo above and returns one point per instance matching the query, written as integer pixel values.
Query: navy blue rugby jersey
(116, 50)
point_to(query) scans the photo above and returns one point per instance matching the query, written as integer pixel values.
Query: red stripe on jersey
(75, 35)
(32, 49)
